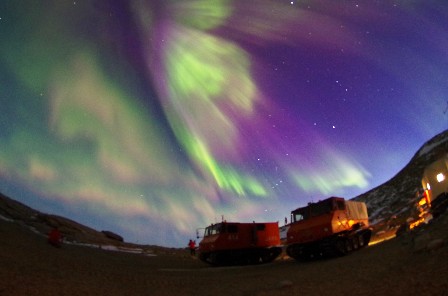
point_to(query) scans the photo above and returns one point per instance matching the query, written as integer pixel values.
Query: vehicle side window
(298, 217)
(223, 228)
(340, 205)
(232, 228)
(261, 227)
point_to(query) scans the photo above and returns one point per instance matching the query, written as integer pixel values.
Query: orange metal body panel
(310, 230)
(234, 236)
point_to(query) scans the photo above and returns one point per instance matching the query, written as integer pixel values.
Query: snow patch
(6, 219)
(112, 248)
(430, 147)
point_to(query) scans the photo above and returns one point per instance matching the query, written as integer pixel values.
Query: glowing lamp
(428, 187)
(440, 177)
(351, 222)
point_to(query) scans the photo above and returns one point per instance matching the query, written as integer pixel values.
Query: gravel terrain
(412, 264)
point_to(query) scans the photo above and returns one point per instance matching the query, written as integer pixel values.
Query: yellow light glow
(416, 223)
(440, 177)
(428, 187)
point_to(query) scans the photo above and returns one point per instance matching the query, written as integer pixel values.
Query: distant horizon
(280, 222)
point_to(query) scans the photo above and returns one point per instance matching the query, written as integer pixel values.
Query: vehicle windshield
(225, 228)
(213, 229)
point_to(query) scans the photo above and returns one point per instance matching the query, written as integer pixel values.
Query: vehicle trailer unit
(327, 228)
(232, 243)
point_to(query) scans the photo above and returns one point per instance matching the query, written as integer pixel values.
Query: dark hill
(73, 232)
(397, 197)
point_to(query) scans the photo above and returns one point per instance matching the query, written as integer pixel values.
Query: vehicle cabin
(233, 235)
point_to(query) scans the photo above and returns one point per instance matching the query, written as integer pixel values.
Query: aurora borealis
(154, 118)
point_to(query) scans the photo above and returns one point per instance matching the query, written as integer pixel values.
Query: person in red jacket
(55, 237)
(192, 246)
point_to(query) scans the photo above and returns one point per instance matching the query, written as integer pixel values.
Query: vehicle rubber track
(241, 257)
(339, 245)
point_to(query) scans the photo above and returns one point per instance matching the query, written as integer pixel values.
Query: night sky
(154, 118)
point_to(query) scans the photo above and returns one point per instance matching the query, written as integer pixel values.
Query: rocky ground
(412, 264)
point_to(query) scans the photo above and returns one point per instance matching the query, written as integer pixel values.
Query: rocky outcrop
(111, 235)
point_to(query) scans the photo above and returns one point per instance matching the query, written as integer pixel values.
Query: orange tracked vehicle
(329, 227)
(232, 243)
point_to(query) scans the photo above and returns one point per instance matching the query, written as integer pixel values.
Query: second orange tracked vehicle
(329, 227)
